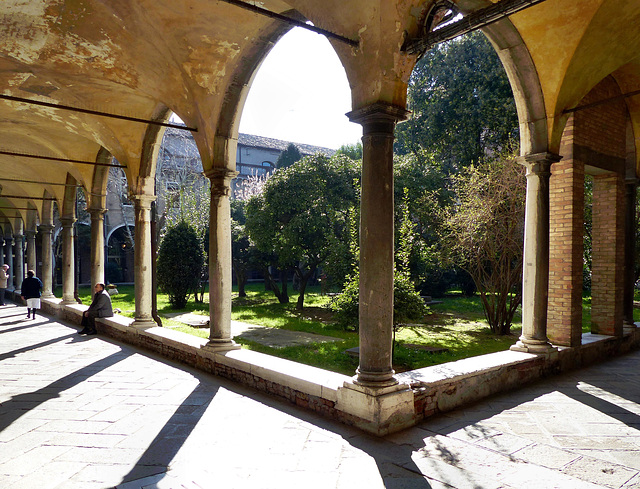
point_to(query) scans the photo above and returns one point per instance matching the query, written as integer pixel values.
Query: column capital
(46, 228)
(97, 213)
(8, 240)
(31, 234)
(220, 181)
(67, 222)
(18, 237)
(143, 200)
(631, 181)
(538, 163)
(379, 117)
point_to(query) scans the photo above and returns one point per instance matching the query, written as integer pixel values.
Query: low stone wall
(434, 390)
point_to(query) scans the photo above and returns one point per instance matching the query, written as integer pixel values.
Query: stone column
(220, 275)
(18, 260)
(8, 259)
(47, 261)
(631, 186)
(535, 275)
(68, 267)
(97, 246)
(31, 250)
(142, 261)
(2, 245)
(376, 243)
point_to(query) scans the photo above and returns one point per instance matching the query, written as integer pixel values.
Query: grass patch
(457, 324)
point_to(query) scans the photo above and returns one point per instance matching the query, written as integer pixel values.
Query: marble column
(68, 266)
(535, 274)
(18, 260)
(46, 231)
(97, 246)
(8, 259)
(376, 243)
(220, 275)
(142, 261)
(31, 250)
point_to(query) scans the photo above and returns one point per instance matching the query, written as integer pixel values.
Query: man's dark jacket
(101, 305)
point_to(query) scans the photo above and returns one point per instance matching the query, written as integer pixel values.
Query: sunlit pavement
(88, 412)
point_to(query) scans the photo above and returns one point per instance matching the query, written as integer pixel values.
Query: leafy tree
(486, 232)
(462, 104)
(407, 303)
(298, 212)
(241, 247)
(180, 260)
(289, 156)
(353, 151)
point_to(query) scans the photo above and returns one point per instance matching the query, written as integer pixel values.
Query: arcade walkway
(87, 412)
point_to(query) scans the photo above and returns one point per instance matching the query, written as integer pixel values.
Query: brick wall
(594, 141)
(607, 254)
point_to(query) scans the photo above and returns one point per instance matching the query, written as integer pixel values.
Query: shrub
(407, 303)
(180, 261)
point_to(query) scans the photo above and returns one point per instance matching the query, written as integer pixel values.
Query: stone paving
(88, 412)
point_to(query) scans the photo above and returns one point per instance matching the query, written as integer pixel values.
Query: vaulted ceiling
(146, 59)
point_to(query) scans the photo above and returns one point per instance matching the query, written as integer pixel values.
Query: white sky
(301, 94)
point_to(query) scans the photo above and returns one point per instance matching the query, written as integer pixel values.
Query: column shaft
(220, 275)
(18, 260)
(535, 280)
(47, 260)
(97, 246)
(8, 257)
(68, 266)
(31, 250)
(376, 243)
(142, 261)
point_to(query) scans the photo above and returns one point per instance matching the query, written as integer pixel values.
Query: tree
(462, 104)
(353, 151)
(180, 260)
(486, 233)
(298, 212)
(289, 156)
(241, 247)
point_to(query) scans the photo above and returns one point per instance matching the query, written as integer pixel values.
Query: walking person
(31, 291)
(3, 282)
(100, 308)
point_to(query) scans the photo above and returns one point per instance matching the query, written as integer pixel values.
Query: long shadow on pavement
(21, 404)
(167, 443)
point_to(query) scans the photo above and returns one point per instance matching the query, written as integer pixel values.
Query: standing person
(100, 308)
(31, 290)
(3, 282)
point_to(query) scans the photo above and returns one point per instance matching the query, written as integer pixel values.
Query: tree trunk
(241, 278)
(304, 279)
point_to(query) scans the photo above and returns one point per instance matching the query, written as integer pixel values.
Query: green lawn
(457, 324)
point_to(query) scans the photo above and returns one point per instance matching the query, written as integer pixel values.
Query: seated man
(100, 308)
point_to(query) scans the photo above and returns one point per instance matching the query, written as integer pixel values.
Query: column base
(535, 346)
(628, 328)
(220, 345)
(378, 410)
(48, 296)
(375, 380)
(143, 323)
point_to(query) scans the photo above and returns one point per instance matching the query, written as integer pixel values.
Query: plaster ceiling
(148, 58)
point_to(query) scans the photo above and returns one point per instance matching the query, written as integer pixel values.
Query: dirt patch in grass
(311, 313)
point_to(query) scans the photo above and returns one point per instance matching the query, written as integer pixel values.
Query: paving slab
(93, 413)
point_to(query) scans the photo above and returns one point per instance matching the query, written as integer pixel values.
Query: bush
(407, 303)
(180, 261)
